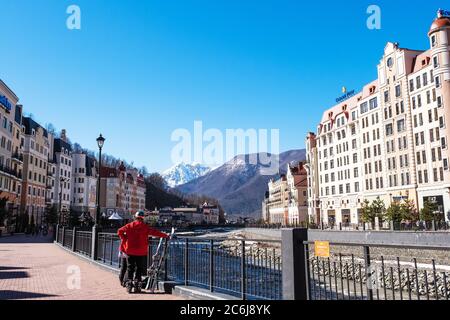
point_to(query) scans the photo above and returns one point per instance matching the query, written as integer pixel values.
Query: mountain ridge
(238, 185)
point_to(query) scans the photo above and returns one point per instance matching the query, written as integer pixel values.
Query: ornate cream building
(389, 140)
(286, 202)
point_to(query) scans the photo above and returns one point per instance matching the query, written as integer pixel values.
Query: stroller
(158, 260)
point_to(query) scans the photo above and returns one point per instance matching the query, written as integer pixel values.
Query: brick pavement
(35, 269)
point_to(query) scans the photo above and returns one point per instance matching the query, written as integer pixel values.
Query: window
(373, 103)
(398, 91)
(425, 79)
(433, 41)
(386, 96)
(411, 85)
(401, 125)
(389, 130)
(436, 62)
(364, 108)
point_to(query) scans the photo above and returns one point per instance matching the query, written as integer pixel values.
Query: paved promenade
(34, 268)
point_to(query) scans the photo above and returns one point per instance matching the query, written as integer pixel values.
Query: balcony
(7, 170)
(17, 157)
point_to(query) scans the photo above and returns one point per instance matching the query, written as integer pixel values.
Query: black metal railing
(395, 266)
(108, 249)
(10, 171)
(83, 242)
(241, 268)
(376, 274)
(60, 235)
(68, 238)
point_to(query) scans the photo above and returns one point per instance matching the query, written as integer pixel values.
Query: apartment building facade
(62, 158)
(388, 141)
(11, 151)
(122, 190)
(286, 202)
(35, 154)
(84, 193)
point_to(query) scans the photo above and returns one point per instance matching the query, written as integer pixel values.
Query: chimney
(63, 135)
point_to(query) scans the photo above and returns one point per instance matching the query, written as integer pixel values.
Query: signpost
(322, 249)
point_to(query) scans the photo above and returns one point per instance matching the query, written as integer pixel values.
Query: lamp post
(100, 143)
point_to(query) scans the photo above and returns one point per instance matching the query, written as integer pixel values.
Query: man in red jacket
(134, 237)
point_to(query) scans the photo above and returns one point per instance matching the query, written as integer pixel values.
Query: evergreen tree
(3, 211)
(367, 213)
(51, 215)
(378, 209)
(409, 211)
(429, 212)
(394, 213)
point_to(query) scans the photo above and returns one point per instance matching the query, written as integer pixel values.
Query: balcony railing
(12, 172)
(17, 156)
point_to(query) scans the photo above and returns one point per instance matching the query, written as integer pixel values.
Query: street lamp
(100, 143)
(61, 180)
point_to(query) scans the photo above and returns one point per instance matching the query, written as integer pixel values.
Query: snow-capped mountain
(239, 185)
(183, 173)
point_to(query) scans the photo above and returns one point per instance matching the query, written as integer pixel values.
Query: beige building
(286, 202)
(388, 141)
(122, 190)
(36, 152)
(311, 167)
(84, 193)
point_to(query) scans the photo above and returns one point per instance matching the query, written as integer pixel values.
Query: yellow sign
(322, 249)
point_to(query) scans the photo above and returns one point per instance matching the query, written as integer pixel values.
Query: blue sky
(138, 70)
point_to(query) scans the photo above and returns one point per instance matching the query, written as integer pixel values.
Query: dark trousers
(123, 277)
(136, 267)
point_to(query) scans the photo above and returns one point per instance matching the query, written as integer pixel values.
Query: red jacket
(134, 238)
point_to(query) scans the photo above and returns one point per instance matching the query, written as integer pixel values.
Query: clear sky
(138, 70)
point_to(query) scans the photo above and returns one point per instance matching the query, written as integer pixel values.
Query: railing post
(211, 266)
(295, 271)
(186, 262)
(340, 226)
(63, 236)
(94, 243)
(111, 254)
(56, 233)
(74, 239)
(433, 225)
(368, 273)
(243, 273)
